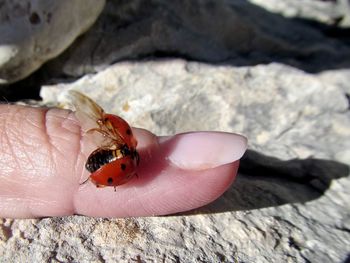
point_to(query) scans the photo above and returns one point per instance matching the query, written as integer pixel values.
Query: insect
(115, 161)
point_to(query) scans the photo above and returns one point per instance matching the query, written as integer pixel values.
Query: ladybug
(115, 162)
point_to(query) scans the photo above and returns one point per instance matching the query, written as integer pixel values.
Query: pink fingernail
(204, 150)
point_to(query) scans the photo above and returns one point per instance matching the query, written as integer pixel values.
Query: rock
(328, 12)
(233, 32)
(32, 32)
(249, 100)
(290, 200)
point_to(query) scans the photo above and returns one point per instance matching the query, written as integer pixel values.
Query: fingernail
(204, 150)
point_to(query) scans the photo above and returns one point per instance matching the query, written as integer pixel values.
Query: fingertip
(163, 187)
(203, 150)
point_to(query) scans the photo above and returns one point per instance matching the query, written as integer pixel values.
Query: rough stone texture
(34, 31)
(290, 202)
(331, 12)
(292, 207)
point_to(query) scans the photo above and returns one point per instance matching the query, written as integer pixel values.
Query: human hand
(42, 158)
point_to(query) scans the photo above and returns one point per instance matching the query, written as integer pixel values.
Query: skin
(42, 158)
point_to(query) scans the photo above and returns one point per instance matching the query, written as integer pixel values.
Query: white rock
(288, 208)
(34, 31)
(327, 12)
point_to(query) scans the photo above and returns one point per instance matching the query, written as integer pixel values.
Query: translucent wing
(91, 117)
(82, 105)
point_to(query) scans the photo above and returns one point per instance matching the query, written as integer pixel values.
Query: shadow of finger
(265, 181)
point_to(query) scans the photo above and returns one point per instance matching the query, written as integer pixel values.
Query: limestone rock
(290, 200)
(32, 32)
(328, 12)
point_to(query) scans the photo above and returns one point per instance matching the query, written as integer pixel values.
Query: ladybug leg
(106, 134)
(103, 132)
(115, 189)
(85, 181)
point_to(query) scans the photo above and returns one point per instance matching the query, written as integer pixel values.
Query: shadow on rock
(236, 33)
(265, 181)
(347, 260)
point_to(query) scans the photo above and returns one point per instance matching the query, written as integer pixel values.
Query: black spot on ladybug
(128, 132)
(123, 166)
(34, 18)
(110, 180)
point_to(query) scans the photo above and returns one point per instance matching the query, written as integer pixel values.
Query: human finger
(176, 173)
(43, 156)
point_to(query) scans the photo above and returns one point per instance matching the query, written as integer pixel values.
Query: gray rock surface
(32, 32)
(237, 32)
(290, 202)
(291, 207)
